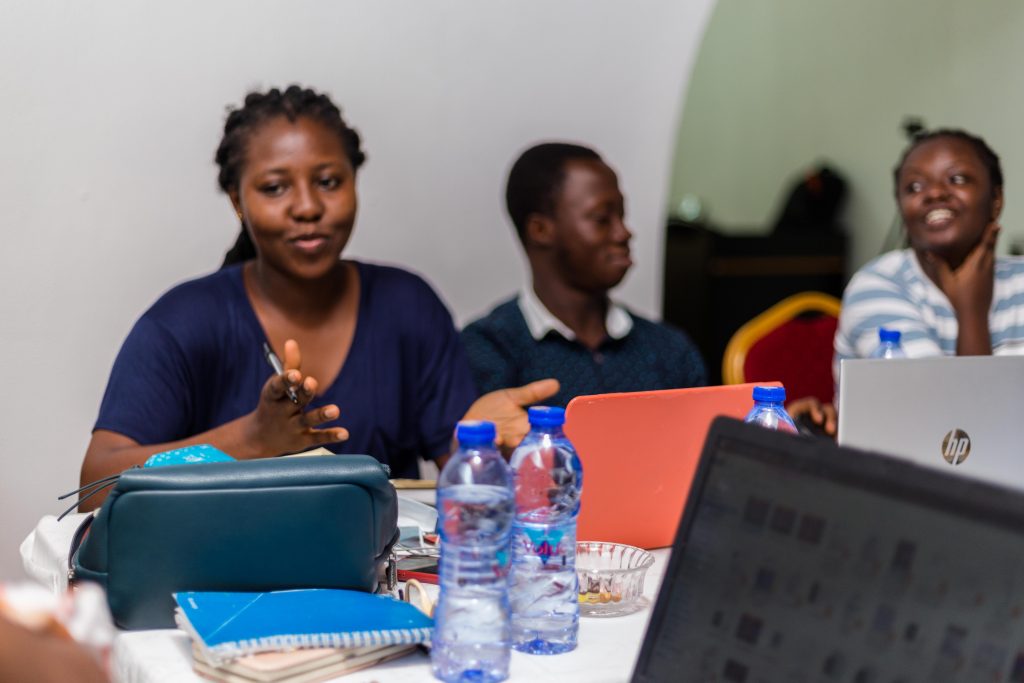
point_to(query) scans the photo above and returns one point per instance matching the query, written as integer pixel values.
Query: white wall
(780, 84)
(110, 115)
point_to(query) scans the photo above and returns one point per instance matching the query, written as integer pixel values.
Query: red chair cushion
(798, 353)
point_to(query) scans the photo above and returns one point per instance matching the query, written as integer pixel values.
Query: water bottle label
(544, 542)
(503, 561)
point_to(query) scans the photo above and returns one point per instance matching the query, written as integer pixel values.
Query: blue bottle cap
(885, 335)
(475, 432)
(546, 416)
(772, 394)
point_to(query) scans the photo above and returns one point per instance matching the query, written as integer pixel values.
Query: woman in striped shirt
(948, 293)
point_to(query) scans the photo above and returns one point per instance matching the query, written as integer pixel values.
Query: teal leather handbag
(254, 525)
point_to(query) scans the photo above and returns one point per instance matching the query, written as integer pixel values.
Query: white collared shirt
(540, 320)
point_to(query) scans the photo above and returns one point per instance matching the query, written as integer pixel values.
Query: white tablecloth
(607, 650)
(44, 552)
(607, 647)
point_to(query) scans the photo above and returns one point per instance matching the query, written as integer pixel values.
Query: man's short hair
(536, 178)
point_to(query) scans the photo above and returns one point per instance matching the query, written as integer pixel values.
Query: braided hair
(293, 103)
(988, 158)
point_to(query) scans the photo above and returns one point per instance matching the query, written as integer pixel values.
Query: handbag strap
(100, 485)
(106, 481)
(76, 543)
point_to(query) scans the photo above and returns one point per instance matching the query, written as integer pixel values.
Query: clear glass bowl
(611, 578)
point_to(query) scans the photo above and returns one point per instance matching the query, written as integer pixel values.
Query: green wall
(781, 84)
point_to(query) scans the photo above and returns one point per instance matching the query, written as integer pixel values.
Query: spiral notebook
(225, 626)
(297, 666)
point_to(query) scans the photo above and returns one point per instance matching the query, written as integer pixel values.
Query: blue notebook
(229, 625)
(189, 455)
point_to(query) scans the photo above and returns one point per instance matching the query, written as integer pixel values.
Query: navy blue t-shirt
(194, 361)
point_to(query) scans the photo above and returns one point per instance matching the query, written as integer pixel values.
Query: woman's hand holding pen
(281, 423)
(277, 426)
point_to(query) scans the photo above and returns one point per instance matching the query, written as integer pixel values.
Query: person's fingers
(986, 245)
(508, 444)
(986, 262)
(510, 438)
(318, 437)
(989, 251)
(309, 387)
(292, 355)
(802, 406)
(276, 387)
(983, 255)
(317, 416)
(815, 410)
(273, 388)
(294, 382)
(533, 392)
(991, 235)
(831, 421)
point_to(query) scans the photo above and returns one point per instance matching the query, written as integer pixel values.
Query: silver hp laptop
(962, 415)
(798, 561)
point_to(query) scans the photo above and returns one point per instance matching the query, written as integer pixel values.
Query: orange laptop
(639, 454)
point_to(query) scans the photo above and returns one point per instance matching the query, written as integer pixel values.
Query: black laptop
(800, 561)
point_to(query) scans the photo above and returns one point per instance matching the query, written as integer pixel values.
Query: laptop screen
(802, 561)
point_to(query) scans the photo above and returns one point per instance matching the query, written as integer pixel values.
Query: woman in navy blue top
(381, 369)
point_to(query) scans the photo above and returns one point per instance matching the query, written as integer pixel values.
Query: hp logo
(956, 446)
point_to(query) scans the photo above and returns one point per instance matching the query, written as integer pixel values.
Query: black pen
(275, 363)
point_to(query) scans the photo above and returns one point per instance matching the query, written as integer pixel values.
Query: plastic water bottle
(475, 508)
(768, 410)
(543, 584)
(888, 344)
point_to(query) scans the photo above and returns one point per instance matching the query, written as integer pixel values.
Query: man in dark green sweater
(569, 214)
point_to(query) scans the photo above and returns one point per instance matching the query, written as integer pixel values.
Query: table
(608, 648)
(607, 651)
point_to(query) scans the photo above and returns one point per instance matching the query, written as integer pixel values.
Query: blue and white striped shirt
(893, 292)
